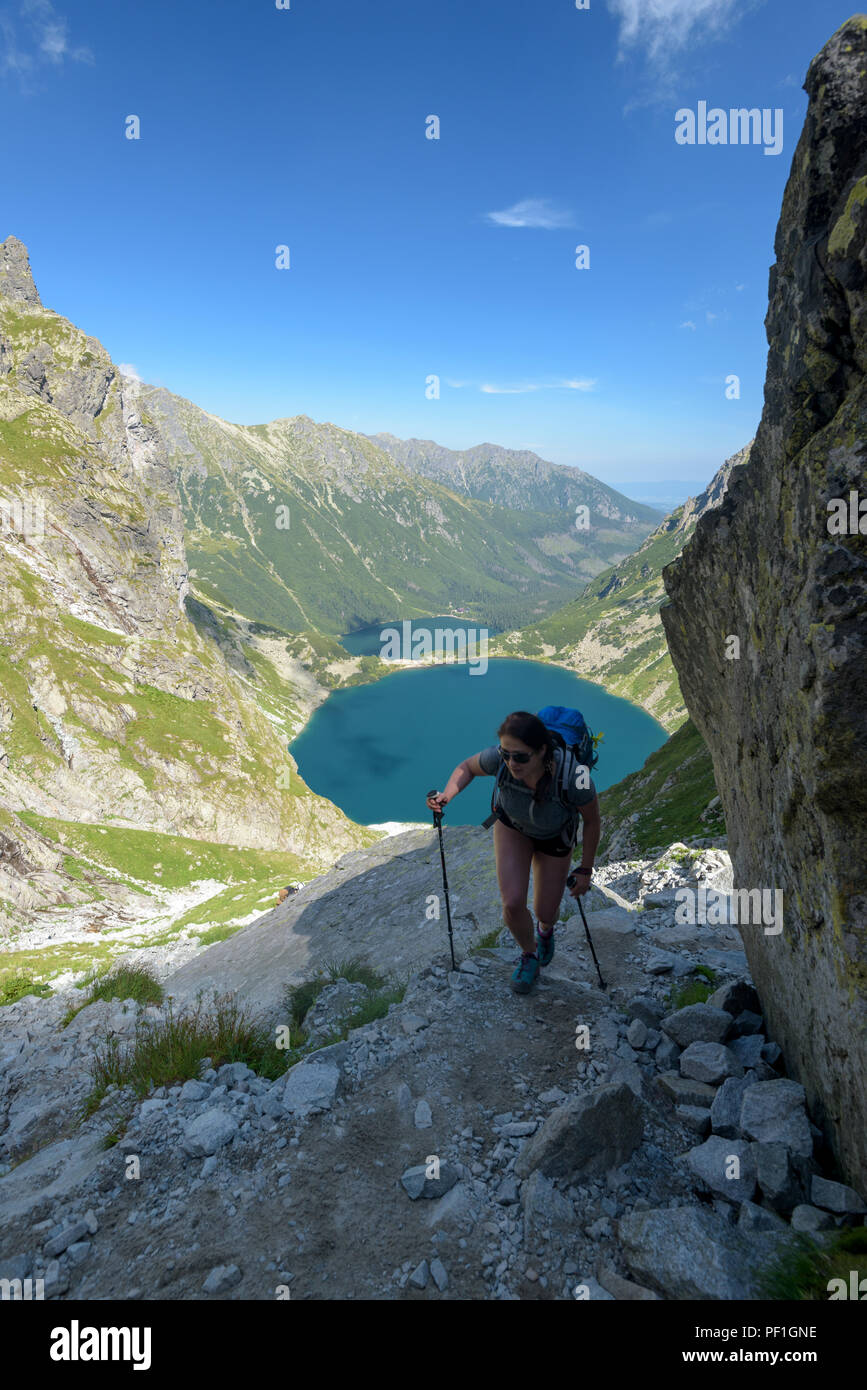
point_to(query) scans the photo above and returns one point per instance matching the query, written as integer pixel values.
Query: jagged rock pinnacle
(16, 277)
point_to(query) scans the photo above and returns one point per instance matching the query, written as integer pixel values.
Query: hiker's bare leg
(549, 881)
(513, 853)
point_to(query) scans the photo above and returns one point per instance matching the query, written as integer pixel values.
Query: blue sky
(411, 257)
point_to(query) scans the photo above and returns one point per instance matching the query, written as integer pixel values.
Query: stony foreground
(469, 1145)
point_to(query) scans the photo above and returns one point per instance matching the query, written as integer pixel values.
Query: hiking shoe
(545, 947)
(525, 976)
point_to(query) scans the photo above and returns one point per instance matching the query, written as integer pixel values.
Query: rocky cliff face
(786, 722)
(121, 700)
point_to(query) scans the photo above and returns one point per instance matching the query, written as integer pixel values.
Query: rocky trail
(461, 1147)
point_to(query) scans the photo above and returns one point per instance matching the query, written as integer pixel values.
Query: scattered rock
(695, 1117)
(684, 1091)
(507, 1192)
(636, 1033)
(773, 1112)
(725, 1111)
(420, 1275)
(659, 962)
(806, 1218)
(697, 1023)
(412, 1023)
(748, 1050)
(310, 1084)
(195, 1090)
(209, 1132)
(725, 1167)
(835, 1196)
(222, 1278)
(417, 1184)
(587, 1135)
(710, 1062)
(666, 1054)
(233, 1074)
(545, 1209)
(552, 1097)
(755, 1218)
(624, 1289)
(58, 1242)
(693, 1253)
(779, 1176)
(519, 1129)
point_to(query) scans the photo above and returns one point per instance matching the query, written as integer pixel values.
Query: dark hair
(530, 730)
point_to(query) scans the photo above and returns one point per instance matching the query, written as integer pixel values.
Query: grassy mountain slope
(309, 527)
(123, 701)
(672, 797)
(612, 632)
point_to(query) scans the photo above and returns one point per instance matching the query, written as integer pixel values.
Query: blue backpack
(570, 729)
(571, 733)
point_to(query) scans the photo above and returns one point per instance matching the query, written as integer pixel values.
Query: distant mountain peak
(16, 277)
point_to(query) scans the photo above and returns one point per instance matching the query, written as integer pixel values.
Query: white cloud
(506, 390)
(579, 385)
(44, 39)
(127, 369)
(689, 324)
(531, 212)
(662, 26)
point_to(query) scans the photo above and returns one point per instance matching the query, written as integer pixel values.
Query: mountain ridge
(365, 536)
(488, 472)
(612, 632)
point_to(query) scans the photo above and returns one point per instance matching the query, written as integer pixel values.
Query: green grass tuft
(804, 1271)
(696, 992)
(124, 982)
(14, 987)
(171, 1050)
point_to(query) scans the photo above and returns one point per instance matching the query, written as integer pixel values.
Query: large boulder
(587, 1135)
(772, 1112)
(697, 1023)
(309, 1085)
(784, 716)
(690, 1252)
(725, 1167)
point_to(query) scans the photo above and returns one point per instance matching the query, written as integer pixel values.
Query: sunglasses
(514, 757)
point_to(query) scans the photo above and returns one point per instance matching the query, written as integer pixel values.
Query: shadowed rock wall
(786, 722)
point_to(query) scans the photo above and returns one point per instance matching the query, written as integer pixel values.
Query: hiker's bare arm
(591, 830)
(460, 778)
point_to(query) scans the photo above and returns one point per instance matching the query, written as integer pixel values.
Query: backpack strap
(567, 771)
(495, 797)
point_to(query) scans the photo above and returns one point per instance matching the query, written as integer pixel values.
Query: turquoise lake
(376, 750)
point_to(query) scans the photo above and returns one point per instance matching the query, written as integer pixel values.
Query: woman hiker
(533, 828)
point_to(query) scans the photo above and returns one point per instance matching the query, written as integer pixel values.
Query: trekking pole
(438, 822)
(570, 880)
